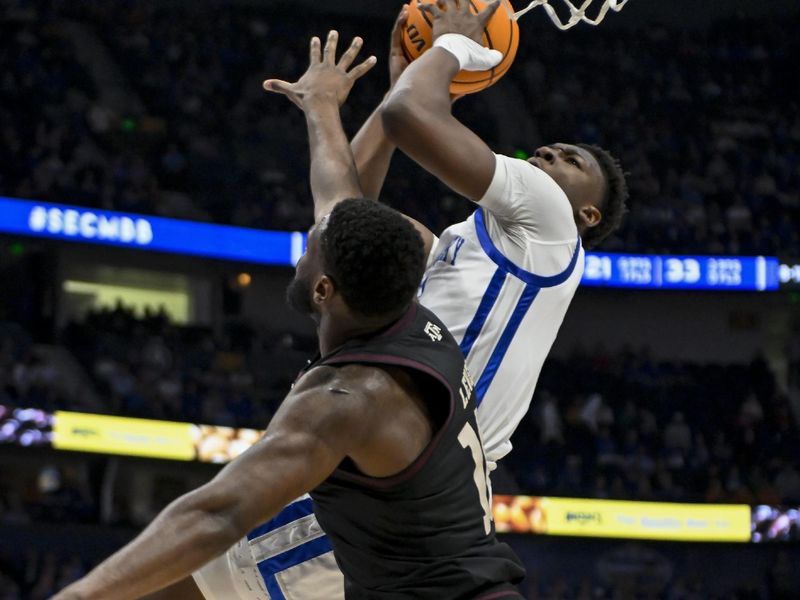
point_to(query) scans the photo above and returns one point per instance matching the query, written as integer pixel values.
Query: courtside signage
(283, 248)
(622, 519)
(104, 434)
(579, 517)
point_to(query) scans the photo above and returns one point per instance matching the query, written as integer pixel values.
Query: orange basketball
(501, 33)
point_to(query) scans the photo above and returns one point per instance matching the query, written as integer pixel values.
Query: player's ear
(323, 290)
(590, 216)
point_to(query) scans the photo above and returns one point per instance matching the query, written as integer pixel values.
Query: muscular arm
(372, 152)
(417, 117)
(371, 148)
(333, 174)
(310, 435)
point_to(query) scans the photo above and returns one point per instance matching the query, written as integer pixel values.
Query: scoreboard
(749, 273)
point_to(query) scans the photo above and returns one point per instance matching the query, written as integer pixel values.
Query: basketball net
(576, 15)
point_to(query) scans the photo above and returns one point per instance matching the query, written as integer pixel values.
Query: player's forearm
(184, 537)
(372, 152)
(422, 92)
(333, 171)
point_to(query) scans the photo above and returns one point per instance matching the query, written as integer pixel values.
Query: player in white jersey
(501, 281)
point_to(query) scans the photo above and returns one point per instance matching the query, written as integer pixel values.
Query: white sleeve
(528, 204)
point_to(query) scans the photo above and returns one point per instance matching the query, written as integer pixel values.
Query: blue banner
(746, 273)
(140, 232)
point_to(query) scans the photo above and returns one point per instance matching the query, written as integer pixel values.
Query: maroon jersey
(427, 531)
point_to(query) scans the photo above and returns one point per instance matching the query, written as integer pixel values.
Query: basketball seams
(425, 16)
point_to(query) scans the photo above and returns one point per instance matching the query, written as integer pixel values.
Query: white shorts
(287, 558)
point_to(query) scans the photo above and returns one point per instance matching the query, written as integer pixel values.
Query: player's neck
(335, 330)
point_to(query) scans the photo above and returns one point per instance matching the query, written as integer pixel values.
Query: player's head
(594, 183)
(364, 258)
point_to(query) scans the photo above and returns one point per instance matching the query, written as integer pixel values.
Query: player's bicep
(441, 145)
(305, 442)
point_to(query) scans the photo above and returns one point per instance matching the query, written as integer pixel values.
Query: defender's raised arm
(319, 93)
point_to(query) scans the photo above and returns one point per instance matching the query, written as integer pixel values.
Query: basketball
(501, 33)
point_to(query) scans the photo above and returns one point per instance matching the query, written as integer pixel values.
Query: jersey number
(468, 438)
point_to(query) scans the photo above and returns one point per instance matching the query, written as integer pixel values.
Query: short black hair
(374, 256)
(613, 206)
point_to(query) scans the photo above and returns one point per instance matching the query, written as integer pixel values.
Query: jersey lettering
(454, 246)
(468, 438)
(467, 385)
(434, 332)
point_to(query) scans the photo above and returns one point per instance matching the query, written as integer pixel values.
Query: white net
(577, 14)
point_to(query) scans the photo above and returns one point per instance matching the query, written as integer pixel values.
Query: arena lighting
(571, 517)
(244, 279)
(222, 242)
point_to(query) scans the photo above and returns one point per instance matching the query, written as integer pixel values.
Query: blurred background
(138, 153)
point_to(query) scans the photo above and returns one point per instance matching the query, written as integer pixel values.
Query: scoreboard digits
(745, 273)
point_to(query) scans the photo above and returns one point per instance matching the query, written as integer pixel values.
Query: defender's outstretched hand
(454, 16)
(325, 79)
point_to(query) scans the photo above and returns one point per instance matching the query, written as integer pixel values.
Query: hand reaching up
(325, 80)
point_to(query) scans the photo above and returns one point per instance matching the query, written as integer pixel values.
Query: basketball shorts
(287, 558)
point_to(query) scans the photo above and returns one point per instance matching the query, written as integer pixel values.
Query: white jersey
(502, 282)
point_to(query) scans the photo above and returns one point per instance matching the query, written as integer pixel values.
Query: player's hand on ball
(397, 58)
(325, 80)
(454, 16)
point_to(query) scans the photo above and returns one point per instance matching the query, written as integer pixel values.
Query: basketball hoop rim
(577, 14)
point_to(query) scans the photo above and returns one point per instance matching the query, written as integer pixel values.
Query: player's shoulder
(521, 172)
(524, 196)
(357, 381)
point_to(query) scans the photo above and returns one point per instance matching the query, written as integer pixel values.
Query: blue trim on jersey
(484, 308)
(292, 512)
(294, 556)
(274, 588)
(509, 267)
(499, 352)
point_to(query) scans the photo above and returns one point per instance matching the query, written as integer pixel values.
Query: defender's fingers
(349, 56)
(329, 55)
(487, 13)
(365, 66)
(278, 86)
(314, 57)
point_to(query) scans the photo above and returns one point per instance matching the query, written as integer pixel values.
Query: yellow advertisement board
(121, 435)
(622, 519)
